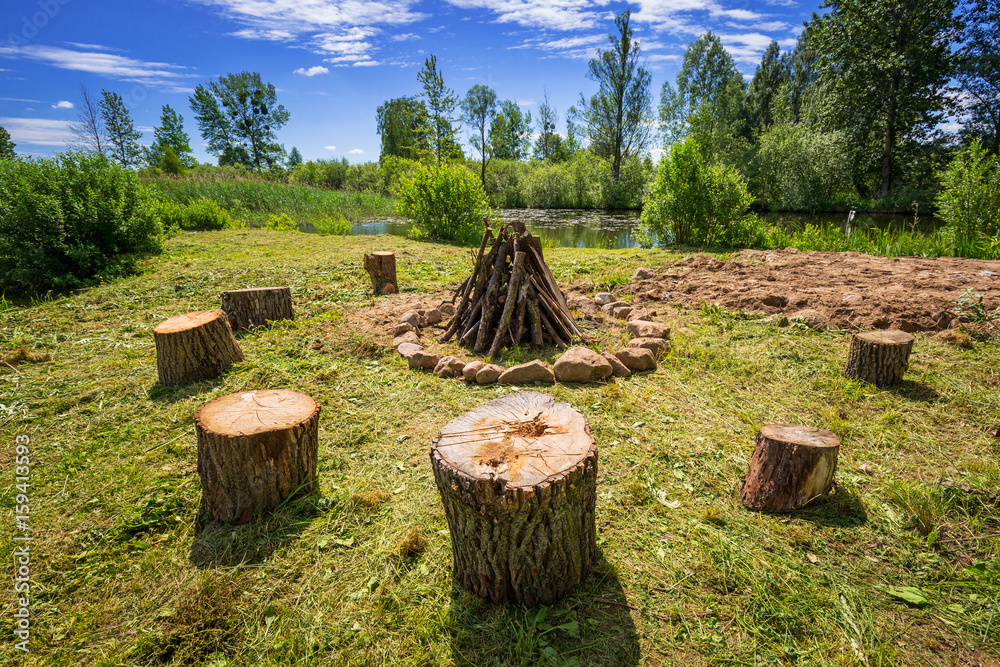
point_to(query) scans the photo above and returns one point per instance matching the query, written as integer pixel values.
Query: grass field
(125, 572)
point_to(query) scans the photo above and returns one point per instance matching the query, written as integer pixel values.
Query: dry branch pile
(511, 296)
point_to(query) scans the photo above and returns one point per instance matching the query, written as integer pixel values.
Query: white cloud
(19, 99)
(121, 68)
(39, 131)
(356, 151)
(404, 37)
(312, 71)
(535, 14)
(581, 47)
(62, 104)
(329, 148)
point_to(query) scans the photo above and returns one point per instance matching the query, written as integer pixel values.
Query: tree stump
(518, 480)
(255, 449)
(879, 357)
(257, 306)
(194, 346)
(791, 467)
(381, 267)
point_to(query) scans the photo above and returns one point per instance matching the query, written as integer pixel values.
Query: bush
(281, 222)
(969, 202)
(67, 220)
(204, 214)
(693, 202)
(364, 177)
(800, 169)
(445, 202)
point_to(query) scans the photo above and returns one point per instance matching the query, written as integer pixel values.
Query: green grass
(126, 572)
(252, 200)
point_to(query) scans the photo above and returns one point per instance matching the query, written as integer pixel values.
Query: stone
(655, 345)
(412, 318)
(583, 304)
(447, 309)
(488, 374)
(852, 299)
(449, 367)
(618, 369)
(774, 301)
(402, 328)
(407, 349)
(407, 337)
(637, 359)
(622, 312)
(603, 298)
(470, 370)
(609, 308)
(533, 371)
(423, 359)
(432, 316)
(581, 364)
(647, 329)
(642, 273)
(813, 318)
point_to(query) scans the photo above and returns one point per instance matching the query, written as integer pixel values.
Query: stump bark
(255, 449)
(257, 306)
(791, 467)
(518, 480)
(194, 346)
(381, 268)
(879, 357)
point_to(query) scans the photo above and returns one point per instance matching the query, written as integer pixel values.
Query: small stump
(791, 467)
(257, 306)
(879, 357)
(518, 480)
(255, 449)
(194, 346)
(381, 268)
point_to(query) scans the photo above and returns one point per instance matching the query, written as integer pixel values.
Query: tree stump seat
(194, 346)
(791, 468)
(257, 306)
(879, 357)
(381, 268)
(518, 480)
(255, 449)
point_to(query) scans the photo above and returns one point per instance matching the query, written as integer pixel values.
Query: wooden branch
(516, 274)
(489, 305)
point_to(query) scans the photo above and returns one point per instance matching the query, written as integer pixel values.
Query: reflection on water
(578, 228)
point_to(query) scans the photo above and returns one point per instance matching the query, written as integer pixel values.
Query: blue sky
(335, 61)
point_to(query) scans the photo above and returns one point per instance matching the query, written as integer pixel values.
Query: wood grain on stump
(518, 480)
(381, 268)
(791, 467)
(194, 346)
(255, 449)
(879, 357)
(257, 306)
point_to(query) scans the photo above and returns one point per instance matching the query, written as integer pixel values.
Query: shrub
(445, 202)
(800, 169)
(693, 202)
(204, 214)
(69, 219)
(969, 201)
(281, 222)
(335, 224)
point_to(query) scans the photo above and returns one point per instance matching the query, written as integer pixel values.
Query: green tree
(547, 141)
(238, 116)
(479, 109)
(403, 125)
(769, 80)
(441, 103)
(170, 135)
(970, 199)
(6, 145)
(122, 136)
(617, 117)
(446, 201)
(294, 158)
(887, 62)
(510, 132)
(979, 74)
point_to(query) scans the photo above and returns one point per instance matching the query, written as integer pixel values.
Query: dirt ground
(844, 290)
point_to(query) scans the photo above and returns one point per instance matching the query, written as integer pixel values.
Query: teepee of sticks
(511, 296)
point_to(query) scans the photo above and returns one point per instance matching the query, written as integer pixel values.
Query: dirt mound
(846, 290)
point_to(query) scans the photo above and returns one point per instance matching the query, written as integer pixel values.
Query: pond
(584, 228)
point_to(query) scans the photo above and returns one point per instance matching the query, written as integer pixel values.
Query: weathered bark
(256, 449)
(194, 346)
(791, 467)
(510, 304)
(257, 306)
(879, 357)
(381, 268)
(518, 480)
(468, 286)
(489, 301)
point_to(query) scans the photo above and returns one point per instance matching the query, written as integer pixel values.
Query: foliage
(402, 124)
(67, 220)
(618, 116)
(171, 148)
(441, 103)
(771, 77)
(321, 173)
(969, 201)
(238, 116)
(294, 158)
(89, 130)
(204, 214)
(479, 109)
(695, 202)
(281, 222)
(979, 74)
(445, 202)
(799, 168)
(510, 132)
(546, 144)
(335, 224)
(123, 138)
(6, 145)
(364, 177)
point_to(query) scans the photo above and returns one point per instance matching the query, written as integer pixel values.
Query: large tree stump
(791, 467)
(381, 268)
(879, 357)
(194, 346)
(257, 306)
(255, 449)
(518, 479)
